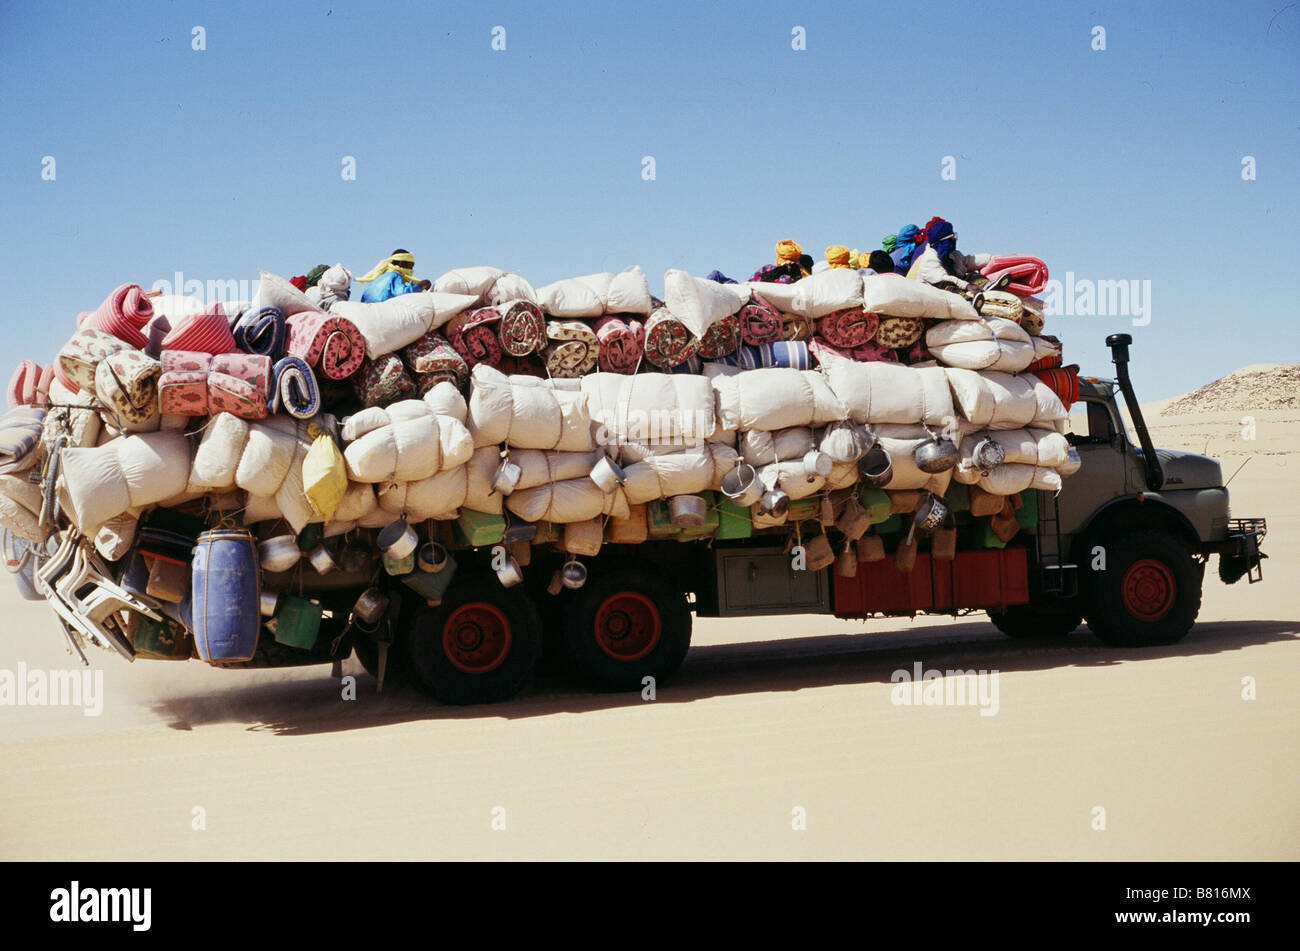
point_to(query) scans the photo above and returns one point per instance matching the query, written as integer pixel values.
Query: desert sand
(768, 717)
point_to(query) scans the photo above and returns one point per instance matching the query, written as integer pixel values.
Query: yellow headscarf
(837, 256)
(403, 264)
(787, 251)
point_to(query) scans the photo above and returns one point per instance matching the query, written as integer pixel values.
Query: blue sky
(1122, 164)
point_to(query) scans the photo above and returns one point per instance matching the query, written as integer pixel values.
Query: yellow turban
(837, 256)
(403, 264)
(787, 250)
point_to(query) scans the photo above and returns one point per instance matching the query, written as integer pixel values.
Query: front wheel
(624, 626)
(480, 645)
(1149, 593)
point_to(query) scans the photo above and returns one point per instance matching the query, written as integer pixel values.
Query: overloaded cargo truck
(1123, 546)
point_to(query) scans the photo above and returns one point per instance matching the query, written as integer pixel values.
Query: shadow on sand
(308, 707)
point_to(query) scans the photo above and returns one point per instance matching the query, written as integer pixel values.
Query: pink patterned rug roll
(183, 386)
(522, 328)
(332, 346)
(207, 332)
(667, 341)
(848, 328)
(123, 314)
(721, 339)
(476, 338)
(622, 343)
(240, 383)
(760, 322)
(863, 354)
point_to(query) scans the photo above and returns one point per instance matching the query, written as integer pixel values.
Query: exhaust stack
(1119, 344)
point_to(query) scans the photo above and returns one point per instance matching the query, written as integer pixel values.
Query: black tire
(497, 630)
(1149, 594)
(643, 616)
(398, 668)
(1024, 620)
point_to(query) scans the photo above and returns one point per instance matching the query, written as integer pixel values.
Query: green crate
(734, 521)
(479, 528)
(298, 623)
(876, 502)
(658, 522)
(158, 640)
(804, 509)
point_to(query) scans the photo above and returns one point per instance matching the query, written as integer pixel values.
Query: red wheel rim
(476, 637)
(1149, 589)
(628, 626)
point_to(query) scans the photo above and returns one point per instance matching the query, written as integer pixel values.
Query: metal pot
(938, 455)
(688, 511)
(742, 486)
(398, 539)
(506, 477)
(876, 468)
(370, 607)
(322, 560)
(816, 464)
(573, 574)
(268, 602)
(432, 557)
(510, 574)
(355, 557)
(929, 515)
(608, 474)
(279, 553)
(775, 502)
(988, 454)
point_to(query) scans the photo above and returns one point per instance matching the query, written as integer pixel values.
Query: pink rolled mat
(863, 354)
(760, 322)
(622, 343)
(476, 338)
(332, 346)
(22, 385)
(1028, 273)
(123, 314)
(848, 328)
(206, 332)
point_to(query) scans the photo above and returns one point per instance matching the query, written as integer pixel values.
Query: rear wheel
(1149, 594)
(624, 626)
(1023, 620)
(480, 645)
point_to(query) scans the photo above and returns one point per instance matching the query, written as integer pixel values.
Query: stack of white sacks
(672, 434)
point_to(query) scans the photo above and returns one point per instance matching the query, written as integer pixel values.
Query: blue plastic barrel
(226, 587)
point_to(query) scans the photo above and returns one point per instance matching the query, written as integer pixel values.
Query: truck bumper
(1239, 553)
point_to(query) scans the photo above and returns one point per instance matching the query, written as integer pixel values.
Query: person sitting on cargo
(392, 276)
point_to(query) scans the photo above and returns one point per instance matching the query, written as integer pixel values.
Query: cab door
(1105, 473)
